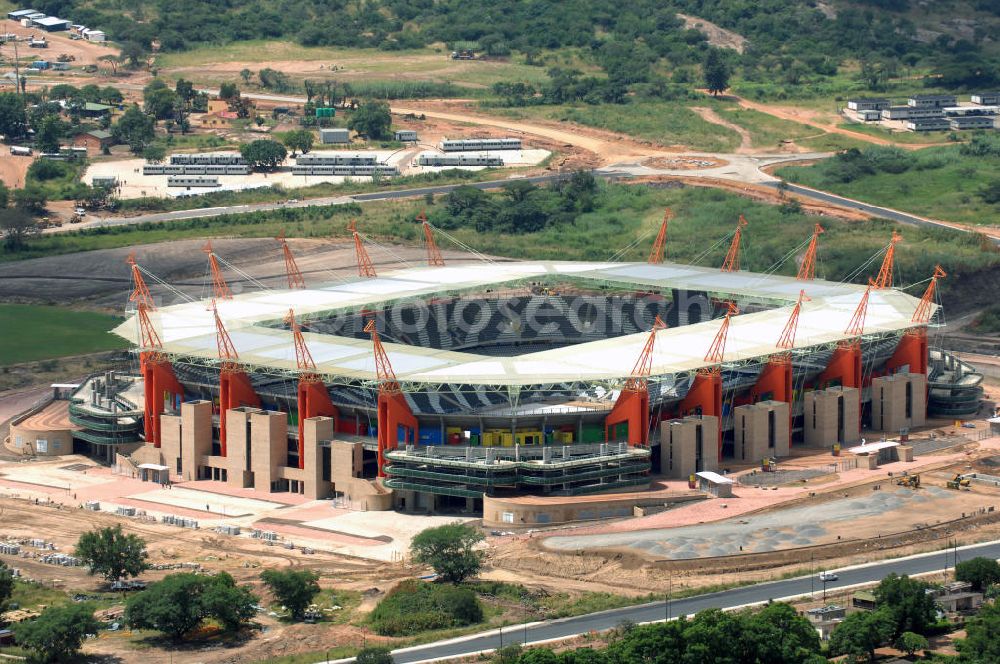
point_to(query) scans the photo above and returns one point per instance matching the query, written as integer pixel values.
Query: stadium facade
(432, 387)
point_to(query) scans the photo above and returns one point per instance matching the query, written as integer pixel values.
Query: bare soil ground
(84, 52)
(13, 170)
(717, 36)
(242, 558)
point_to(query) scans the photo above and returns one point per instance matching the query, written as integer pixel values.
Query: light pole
(812, 576)
(824, 590)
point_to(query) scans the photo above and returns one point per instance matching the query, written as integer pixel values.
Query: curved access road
(886, 213)
(656, 611)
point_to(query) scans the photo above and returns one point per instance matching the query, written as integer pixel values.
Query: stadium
(433, 387)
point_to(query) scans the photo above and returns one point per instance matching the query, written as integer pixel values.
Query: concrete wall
(514, 512)
(899, 402)
(679, 439)
(760, 430)
(831, 416)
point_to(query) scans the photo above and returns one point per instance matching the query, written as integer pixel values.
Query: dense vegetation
(634, 43)
(417, 606)
(775, 634)
(622, 215)
(957, 183)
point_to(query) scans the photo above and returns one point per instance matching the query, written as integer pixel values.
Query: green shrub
(416, 606)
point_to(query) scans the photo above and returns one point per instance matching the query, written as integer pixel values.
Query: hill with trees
(638, 43)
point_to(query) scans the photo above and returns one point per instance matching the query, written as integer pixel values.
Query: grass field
(29, 333)
(909, 137)
(662, 123)
(429, 64)
(941, 183)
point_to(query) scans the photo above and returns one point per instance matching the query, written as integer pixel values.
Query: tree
(112, 61)
(135, 128)
(178, 604)
(31, 200)
(48, 133)
(57, 634)
(172, 606)
(716, 72)
(4, 195)
(907, 603)
(981, 645)
(372, 120)
(6, 586)
(185, 90)
(229, 91)
(980, 572)
(13, 119)
(232, 605)
(450, 550)
(112, 554)
(779, 635)
(295, 589)
(245, 74)
(299, 139)
(910, 642)
(538, 656)
(133, 54)
(154, 154)
(263, 154)
(861, 633)
(159, 100)
(374, 656)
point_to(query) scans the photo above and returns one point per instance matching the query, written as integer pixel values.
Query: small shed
(406, 135)
(95, 35)
(829, 612)
(334, 136)
(715, 484)
(154, 472)
(109, 181)
(994, 426)
(865, 600)
(883, 451)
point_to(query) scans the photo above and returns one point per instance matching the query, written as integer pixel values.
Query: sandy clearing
(717, 36)
(13, 170)
(709, 115)
(85, 52)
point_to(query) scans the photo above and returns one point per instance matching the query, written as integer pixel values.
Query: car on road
(827, 577)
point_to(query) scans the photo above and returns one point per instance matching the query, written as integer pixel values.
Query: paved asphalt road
(567, 627)
(885, 213)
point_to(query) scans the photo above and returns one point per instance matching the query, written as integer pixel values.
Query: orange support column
(160, 384)
(632, 408)
(845, 365)
(775, 384)
(235, 390)
(393, 413)
(705, 398)
(314, 401)
(911, 352)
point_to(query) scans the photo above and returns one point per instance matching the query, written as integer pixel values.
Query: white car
(827, 577)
